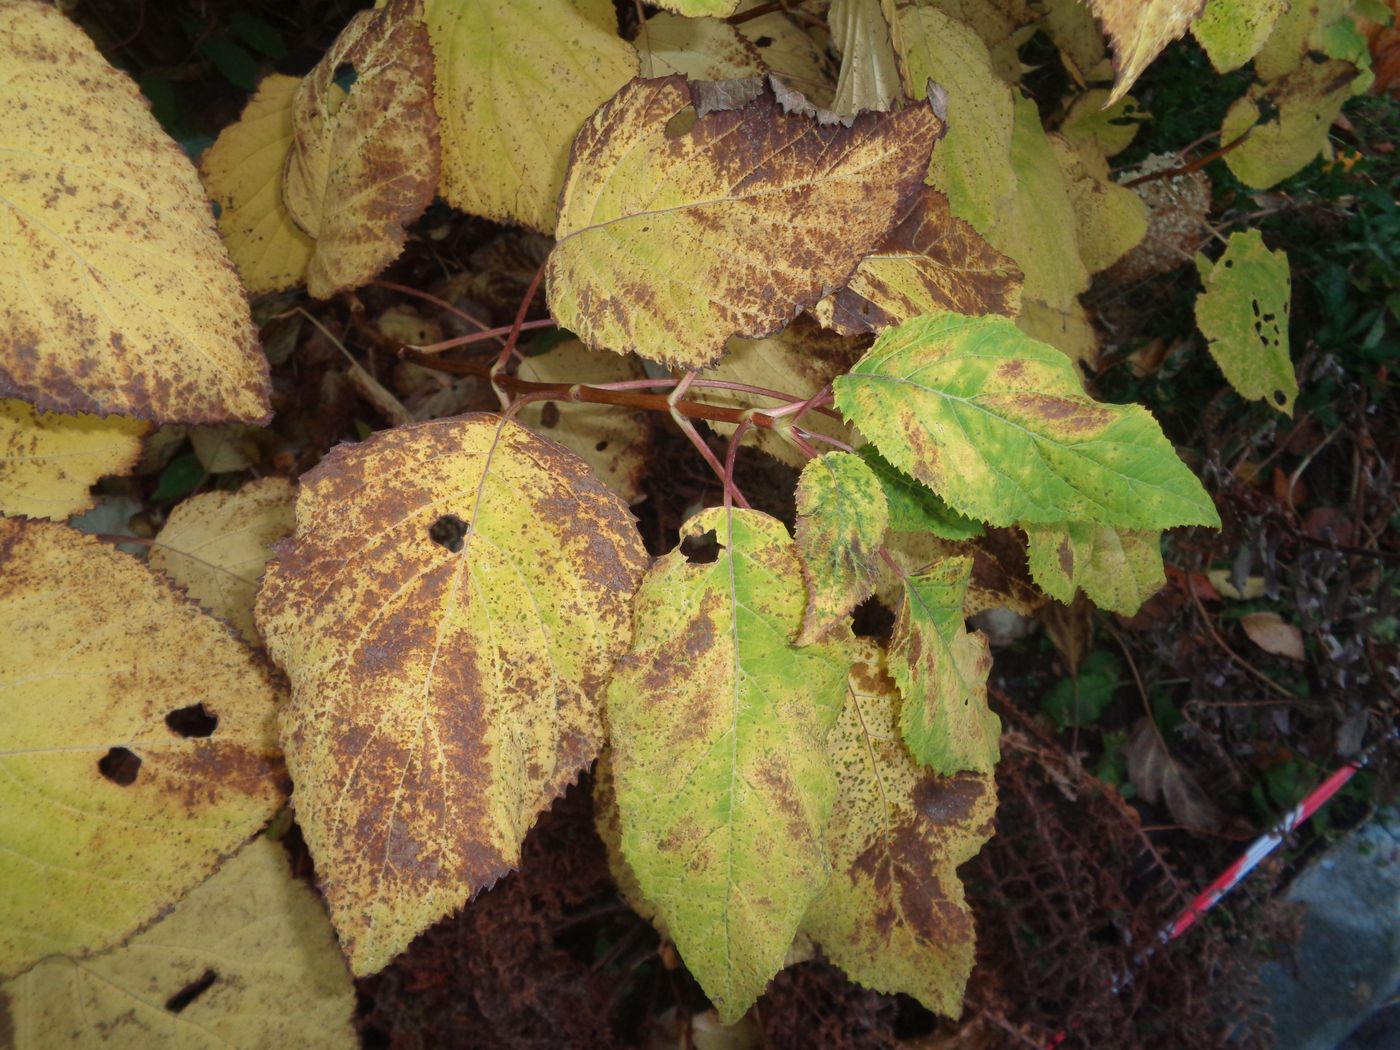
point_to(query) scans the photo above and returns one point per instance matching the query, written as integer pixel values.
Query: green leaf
(1243, 312)
(942, 674)
(841, 519)
(1080, 700)
(1118, 569)
(718, 732)
(914, 507)
(1233, 31)
(893, 915)
(998, 425)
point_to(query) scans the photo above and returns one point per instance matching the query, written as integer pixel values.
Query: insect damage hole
(191, 991)
(702, 548)
(448, 531)
(192, 721)
(120, 766)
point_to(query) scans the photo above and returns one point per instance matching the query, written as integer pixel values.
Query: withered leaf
(1158, 777)
(1138, 30)
(130, 770)
(116, 295)
(930, 261)
(364, 164)
(448, 612)
(893, 915)
(676, 234)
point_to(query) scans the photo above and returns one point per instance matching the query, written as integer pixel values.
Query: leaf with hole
(893, 916)
(216, 544)
(49, 462)
(1118, 569)
(841, 520)
(504, 149)
(1287, 121)
(686, 218)
(999, 426)
(448, 612)
(203, 975)
(718, 732)
(942, 674)
(242, 174)
(364, 164)
(116, 296)
(1243, 313)
(130, 770)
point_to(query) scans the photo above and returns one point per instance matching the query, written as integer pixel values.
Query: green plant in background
(462, 607)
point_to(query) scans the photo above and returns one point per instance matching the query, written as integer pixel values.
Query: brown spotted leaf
(116, 295)
(49, 462)
(718, 732)
(942, 673)
(364, 164)
(1138, 30)
(1118, 569)
(137, 744)
(893, 915)
(930, 261)
(448, 612)
(999, 425)
(682, 224)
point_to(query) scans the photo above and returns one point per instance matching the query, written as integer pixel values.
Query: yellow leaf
(1002, 26)
(893, 915)
(792, 53)
(216, 544)
(1118, 569)
(1082, 46)
(675, 234)
(1111, 130)
(503, 152)
(608, 823)
(930, 261)
(242, 173)
(1138, 30)
(246, 960)
(799, 360)
(448, 613)
(130, 769)
(869, 78)
(700, 48)
(700, 8)
(1109, 219)
(116, 295)
(972, 164)
(1302, 106)
(364, 164)
(613, 440)
(48, 462)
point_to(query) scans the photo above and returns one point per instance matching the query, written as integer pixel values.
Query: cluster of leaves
(462, 607)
